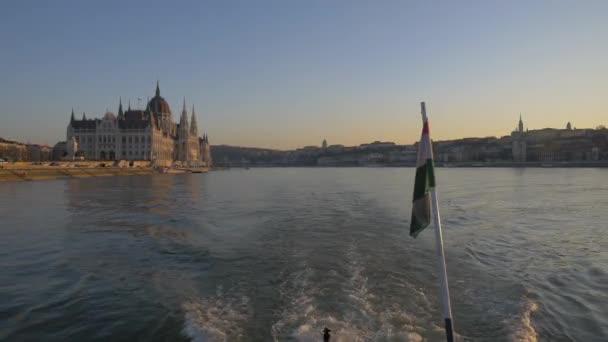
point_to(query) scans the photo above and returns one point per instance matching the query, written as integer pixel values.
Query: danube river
(279, 254)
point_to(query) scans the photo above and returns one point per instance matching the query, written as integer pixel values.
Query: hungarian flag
(425, 181)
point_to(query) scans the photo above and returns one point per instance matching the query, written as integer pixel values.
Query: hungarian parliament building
(136, 134)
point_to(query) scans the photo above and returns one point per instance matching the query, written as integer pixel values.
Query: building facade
(520, 145)
(559, 145)
(16, 151)
(148, 134)
(12, 150)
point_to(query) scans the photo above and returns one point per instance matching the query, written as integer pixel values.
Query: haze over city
(288, 74)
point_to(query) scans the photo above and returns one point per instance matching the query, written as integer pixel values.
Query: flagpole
(443, 275)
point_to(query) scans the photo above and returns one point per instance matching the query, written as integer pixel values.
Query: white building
(147, 134)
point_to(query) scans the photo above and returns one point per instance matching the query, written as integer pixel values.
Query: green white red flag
(425, 181)
(425, 204)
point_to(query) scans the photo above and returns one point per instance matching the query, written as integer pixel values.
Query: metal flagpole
(445, 291)
(443, 276)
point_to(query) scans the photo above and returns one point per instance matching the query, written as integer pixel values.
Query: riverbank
(493, 164)
(36, 172)
(32, 174)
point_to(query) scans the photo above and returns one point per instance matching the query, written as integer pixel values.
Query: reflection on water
(278, 254)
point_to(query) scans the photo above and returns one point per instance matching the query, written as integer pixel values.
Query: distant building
(404, 155)
(520, 146)
(377, 144)
(60, 150)
(38, 153)
(551, 144)
(148, 134)
(324, 144)
(345, 160)
(307, 151)
(12, 150)
(335, 148)
(205, 149)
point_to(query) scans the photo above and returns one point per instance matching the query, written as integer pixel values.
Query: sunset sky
(284, 74)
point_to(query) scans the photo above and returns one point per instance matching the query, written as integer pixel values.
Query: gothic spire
(520, 126)
(72, 118)
(183, 121)
(129, 108)
(84, 116)
(193, 124)
(120, 113)
(157, 89)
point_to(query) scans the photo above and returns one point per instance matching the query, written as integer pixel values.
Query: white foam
(215, 319)
(358, 319)
(524, 329)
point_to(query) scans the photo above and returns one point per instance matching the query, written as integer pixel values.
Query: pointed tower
(120, 112)
(520, 145)
(84, 116)
(129, 108)
(72, 118)
(193, 124)
(521, 124)
(183, 135)
(183, 121)
(157, 89)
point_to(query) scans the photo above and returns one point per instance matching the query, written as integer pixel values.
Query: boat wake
(523, 329)
(219, 318)
(308, 301)
(352, 317)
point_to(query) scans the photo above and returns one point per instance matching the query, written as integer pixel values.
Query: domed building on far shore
(137, 134)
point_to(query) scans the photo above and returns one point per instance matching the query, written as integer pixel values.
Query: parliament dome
(158, 104)
(109, 116)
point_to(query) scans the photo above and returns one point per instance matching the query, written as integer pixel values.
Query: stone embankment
(20, 171)
(40, 173)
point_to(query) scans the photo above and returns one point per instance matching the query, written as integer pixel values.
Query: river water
(279, 254)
